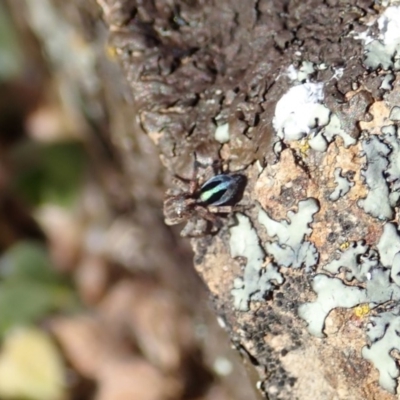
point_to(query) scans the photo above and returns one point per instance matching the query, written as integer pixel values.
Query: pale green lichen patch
(332, 293)
(388, 245)
(301, 112)
(307, 126)
(355, 261)
(289, 247)
(319, 139)
(387, 82)
(382, 52)
(392, 173)
(343, 185)
(383, 334)
(377, 201)
(334, 128)
(395, 114)
(258, 280)
(372, 277)
(378, 55)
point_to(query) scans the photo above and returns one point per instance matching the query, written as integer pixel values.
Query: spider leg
(207, 174)
(212, 170)
(220, 209)
(209, 171)
(243, 207)
(220, 166)
(181, 183)
(173, 192)
(194, 184)
(206, 213)
(194, 228)
(229, 209)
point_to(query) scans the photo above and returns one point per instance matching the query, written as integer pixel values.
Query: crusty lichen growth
(258, 279)
(341, 191)
(193, 95)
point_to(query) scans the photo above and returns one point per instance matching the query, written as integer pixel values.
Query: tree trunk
(300, 97)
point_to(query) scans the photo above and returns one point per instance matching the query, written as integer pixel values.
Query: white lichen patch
(316, 141)
(383, 333)
(343, 185)
(384, 50)
(338, 73)
(221, 134)
(290, 249)
(307, 68)
(387, 3)
(292, 72)
(389, 26)
(377, 202)
(299, 111)
(258, 280)
(320, 139)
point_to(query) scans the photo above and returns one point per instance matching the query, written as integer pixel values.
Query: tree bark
(301, 97)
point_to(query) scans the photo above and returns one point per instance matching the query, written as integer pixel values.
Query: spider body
(201, 204)
(220, 189)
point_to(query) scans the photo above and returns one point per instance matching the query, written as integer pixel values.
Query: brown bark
(191, 66)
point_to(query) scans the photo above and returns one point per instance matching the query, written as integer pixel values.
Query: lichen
(221, 134)
(332, 293)
(395, 114)
(357, 261)
(366, 275)
(333, 129)
(378, 55)
(290, 249)
(306, 69)
(377, 201)
(382, 52)
(377, 269)
(389, 134)
(388, 245)
(303, 74)
(299, 111)
(376, 273)
(387, 82)
(343, 185)
(383, 333)
(258, 280)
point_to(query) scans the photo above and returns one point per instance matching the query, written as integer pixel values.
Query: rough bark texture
(156, 298)
(194, 65)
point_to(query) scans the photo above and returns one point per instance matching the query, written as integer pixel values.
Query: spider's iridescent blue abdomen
(220, 189)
